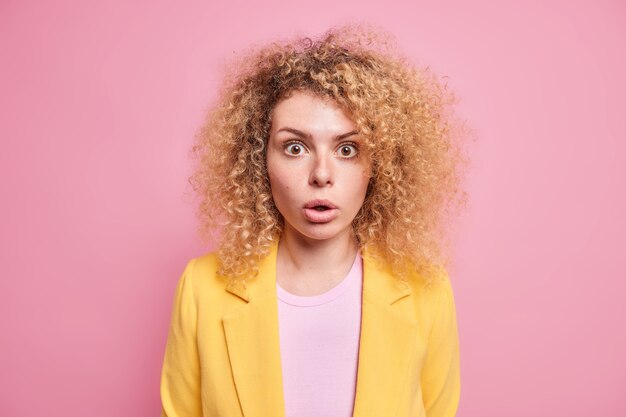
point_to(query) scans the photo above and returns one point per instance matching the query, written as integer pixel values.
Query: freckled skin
(315, 165)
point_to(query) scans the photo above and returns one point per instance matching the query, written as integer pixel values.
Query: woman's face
(317, 171)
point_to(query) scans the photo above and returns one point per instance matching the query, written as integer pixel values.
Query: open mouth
(320, 213)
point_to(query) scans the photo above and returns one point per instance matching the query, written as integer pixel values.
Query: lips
(320, 211)
(320, 204)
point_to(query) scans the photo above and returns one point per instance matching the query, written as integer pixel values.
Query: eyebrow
(308, 136)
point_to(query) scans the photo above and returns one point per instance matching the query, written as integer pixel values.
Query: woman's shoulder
(201, 272)
(435, 278)
(206, 262)
(432, 288)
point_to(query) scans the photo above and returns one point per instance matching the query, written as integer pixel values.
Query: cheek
(361, 186)
(280, 185)
(358, 180)
(283, 177)
(278, 179)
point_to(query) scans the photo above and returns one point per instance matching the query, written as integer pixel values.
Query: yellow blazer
(222, 356)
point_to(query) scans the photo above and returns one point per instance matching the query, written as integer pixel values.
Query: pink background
(98, 106)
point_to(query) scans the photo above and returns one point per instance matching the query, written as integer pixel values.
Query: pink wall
(98, 105)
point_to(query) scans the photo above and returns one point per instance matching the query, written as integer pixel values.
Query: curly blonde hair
(403, 113)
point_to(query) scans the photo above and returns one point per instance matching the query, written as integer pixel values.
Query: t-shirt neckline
(326, 297)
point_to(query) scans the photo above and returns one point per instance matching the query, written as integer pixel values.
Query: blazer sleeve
(440, 378)
(180, 374)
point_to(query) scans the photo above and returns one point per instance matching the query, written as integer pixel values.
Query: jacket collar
(387, 340)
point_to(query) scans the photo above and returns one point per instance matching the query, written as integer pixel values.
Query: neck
(304, 263)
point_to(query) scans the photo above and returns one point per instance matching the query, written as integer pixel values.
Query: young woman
(325, 172)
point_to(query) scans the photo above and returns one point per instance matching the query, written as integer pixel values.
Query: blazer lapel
(387, 342)
(385, 350)
(254, 346)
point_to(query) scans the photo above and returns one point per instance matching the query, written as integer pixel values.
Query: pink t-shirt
(319, 347)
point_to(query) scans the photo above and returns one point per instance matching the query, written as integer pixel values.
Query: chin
(319, 231)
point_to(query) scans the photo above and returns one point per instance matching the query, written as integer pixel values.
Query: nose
(321, 172)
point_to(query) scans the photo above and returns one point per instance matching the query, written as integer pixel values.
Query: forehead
(306, 110)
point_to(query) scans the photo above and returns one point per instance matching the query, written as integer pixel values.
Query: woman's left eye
(348, 150)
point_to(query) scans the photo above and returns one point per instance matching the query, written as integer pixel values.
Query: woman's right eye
(294, 149)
